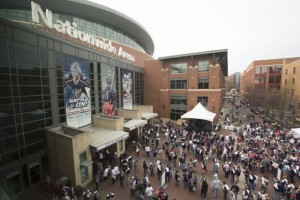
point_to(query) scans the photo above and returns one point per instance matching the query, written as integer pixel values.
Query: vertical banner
(127, 89)
(108, 82)
(77, 91)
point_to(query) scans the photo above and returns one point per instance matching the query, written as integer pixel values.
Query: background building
(290, 87)
(260, 77)
(230, 82)
(175, 84)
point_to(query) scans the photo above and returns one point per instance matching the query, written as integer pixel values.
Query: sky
(249, 29)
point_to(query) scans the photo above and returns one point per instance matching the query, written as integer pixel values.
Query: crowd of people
(258, 161)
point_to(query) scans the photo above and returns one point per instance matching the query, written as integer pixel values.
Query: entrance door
(13, 183)
(35, 172)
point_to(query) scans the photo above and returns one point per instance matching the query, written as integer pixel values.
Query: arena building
(45, 45)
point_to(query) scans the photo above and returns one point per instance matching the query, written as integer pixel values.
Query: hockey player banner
(108, 82)
(127, 89)
(77, 91)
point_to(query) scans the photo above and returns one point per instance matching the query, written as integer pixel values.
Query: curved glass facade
(32, 98)
(93, 28)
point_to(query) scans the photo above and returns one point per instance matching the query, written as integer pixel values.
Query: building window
(263, 69)
(275, 68)
(293, 81)
(260, 80)
(178, 68)
(178, 84)
(285, 81)
(286, 71)
(257, 70)
(178, 106)
(294, 70)
(83, 169)
(271, 79)
(203, 100)
(278, 79)
(203, 83)
(203, 66)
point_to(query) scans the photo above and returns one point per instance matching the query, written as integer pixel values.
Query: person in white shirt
(105, 173)
(147, 149)
(264, 183)
(149, 192)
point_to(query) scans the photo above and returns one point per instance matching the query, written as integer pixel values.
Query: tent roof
(295, 132)
(199, 112)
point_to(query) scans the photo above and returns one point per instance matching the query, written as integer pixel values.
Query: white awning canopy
(148, 115)
(133, 124)
(295, 132)
(199, 112)
(102, 138)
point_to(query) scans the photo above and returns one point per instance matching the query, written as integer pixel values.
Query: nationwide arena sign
(70, 30)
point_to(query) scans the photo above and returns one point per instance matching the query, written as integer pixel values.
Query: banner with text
(108, 82)
(77, 91)
(127, 89)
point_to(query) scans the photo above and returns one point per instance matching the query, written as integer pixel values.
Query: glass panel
(26, 54)
(4, 67)
(203, 66)
(178, 68)
(35, 136)
(35, 148)
(35, 174)
(30, 90)
(83, 170)
(34, 125)
(25, 176)
(8, 144)
(13, 183)
(29, 80)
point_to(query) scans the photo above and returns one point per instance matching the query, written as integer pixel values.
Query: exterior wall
(133, 114)
(153, 79)
(288, 76)
(64, 154)
(159, 80)
(113, 123)
(143, 108)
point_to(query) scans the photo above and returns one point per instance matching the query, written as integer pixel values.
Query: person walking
(204, 188)
(149, 192)
(177, 178)
(225, 190)
(216, 186)
(277, 190)
(237, 174)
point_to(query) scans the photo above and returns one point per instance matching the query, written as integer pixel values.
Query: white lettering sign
(70, 29)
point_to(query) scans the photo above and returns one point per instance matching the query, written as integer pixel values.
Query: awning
(86, 163)
(133, 124)
(148, 115)
(199, 112)
(102, 138)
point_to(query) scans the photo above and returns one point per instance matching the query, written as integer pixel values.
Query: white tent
(295, 132)
(199, 112)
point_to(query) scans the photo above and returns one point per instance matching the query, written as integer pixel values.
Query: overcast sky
(249, 29)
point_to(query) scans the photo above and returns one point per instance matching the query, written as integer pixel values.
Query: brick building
(262, 76)
(175, 84)
(290, 85)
